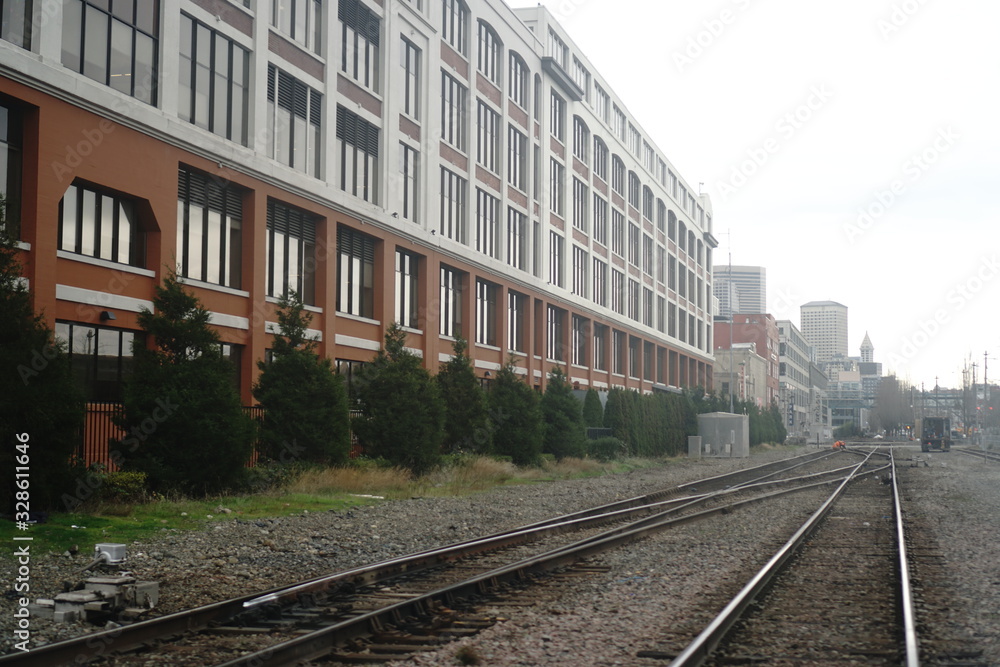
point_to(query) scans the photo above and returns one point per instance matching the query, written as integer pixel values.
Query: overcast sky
(851, 148)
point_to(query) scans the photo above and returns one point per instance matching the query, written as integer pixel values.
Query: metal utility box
(724, 434)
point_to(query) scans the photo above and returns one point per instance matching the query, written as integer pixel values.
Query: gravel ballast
(648, 595)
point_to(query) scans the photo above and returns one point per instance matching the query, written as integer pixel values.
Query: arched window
(454, 25)
(617, 175)
(490, 50)
(518, 81)
(634, 191)
(581, 140)
(600, 158)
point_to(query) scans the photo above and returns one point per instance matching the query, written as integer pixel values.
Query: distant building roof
(823, 303)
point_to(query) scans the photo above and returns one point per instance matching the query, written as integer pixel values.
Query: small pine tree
(593, 411)
(185, 422)
(41, 399)
(515, 407)
(306, 415)
(564, 434)
(467, 421)
(402, 414)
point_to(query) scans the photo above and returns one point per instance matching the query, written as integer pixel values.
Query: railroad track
(837, 592)
(979, 453)
(391, 599)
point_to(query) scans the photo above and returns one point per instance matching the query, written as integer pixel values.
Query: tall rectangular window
(555, 259)
(578, 341)
(618, 291)
(407, 289)
(291, 251)
(581, 77)
(409, 171)
(450, 310)
(453, 189)
(299, 20)
(409, 60)
(357, 147)
(294, 117)
(214, 78)
(600, 291)
(600, 220)
(359, 57)
(634, 140)
(10, 166)
(618, 344)
(602, 103)
(209, 229)
(557, 117)
(557, 194)
(101, 224)
(661, 264)
(517, 305)
(581, 141)
(633, 357)
(555, 324)
(16, 22)
(634, 245)
(647, 254)
(517, 238)
(488, 138)
(647, 306)
(517, 84)
(118, 49)
(580, 260)
(558, 50)
(453, 111)
(633, 300)
(661, 314)
(486, 312)
(455, 22)
(581, 197)
(517, 159)
(619, 125)
(487, 223)
(356, 273)
(617, 232)
(600, 343)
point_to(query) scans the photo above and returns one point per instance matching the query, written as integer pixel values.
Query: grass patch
(314, 490)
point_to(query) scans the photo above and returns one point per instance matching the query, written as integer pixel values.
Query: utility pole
(732, 318)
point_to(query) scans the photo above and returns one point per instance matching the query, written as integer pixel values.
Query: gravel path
(606, 619)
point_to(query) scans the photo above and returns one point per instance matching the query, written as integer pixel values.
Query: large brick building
(460, 168)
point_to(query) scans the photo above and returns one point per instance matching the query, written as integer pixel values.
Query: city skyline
(860, 176)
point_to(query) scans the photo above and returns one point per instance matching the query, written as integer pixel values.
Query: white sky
(904, 93)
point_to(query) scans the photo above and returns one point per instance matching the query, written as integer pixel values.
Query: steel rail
(702, 646)
(324, 641)
(82, 649)
(912, 653)
(978, 453)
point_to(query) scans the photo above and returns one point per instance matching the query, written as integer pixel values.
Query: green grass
(314, 491)
(130, 523)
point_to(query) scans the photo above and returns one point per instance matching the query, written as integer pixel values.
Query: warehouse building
(459, 168)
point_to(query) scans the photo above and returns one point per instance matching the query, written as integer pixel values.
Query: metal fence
(101, 433)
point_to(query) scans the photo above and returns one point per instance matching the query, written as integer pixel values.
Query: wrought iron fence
(101, 435)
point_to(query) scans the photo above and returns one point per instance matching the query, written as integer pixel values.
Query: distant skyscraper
(741, 289)
(824, 325)
(867, 349)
